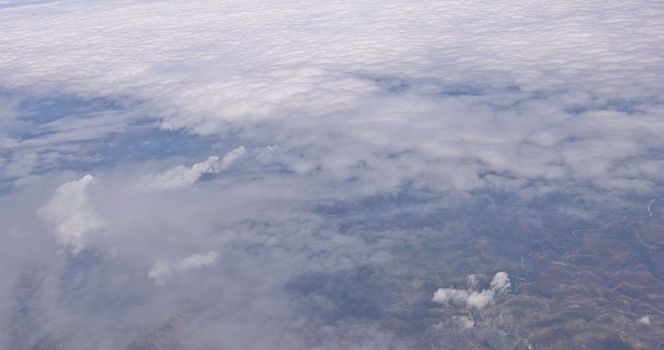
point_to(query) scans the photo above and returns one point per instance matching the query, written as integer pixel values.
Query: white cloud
(197, 261)
(450, 295)
(479, 300)
(508, 108)
(70, 215)
(161, 270)
(501, 283)
(645, 320)
(181, 176)
(464, 322)
(469, 298)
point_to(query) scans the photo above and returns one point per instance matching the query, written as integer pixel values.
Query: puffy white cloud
(500, 284)
(450, 295)
(645, 320)
(181, 176)
(479, 300)
(70, 214)
(197, 261)
(465, 321)
(162, 270)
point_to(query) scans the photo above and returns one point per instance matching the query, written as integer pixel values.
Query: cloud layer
(457, 95)
(370, 131)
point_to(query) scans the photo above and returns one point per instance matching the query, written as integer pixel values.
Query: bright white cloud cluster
(162, 270)
(464, 322)
(70, 214)
(182, 176)
(500, 285)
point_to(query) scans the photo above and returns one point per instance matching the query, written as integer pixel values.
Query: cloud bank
(553, 94)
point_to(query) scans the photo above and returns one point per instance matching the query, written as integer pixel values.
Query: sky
(264, 175)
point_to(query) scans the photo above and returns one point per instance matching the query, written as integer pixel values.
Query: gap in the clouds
(439, 236)
(497, 214)
(356, 293)
(40, 115)
(42, 110)
(443, 237)
(85, 133)
(463, 90)
(145, 142)
(16, 3)
(393, 85)
(628, 106)
(142, 142)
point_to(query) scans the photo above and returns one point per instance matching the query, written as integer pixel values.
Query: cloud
(645, 320)
(181, 176)
(162, 270)
(465, 322)
(363, 100)
(159, 272)
(450, 295)
(479, 300)
(70, 214)
(197, 261)
(473, 280)
(500, 285)
(349, 103)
